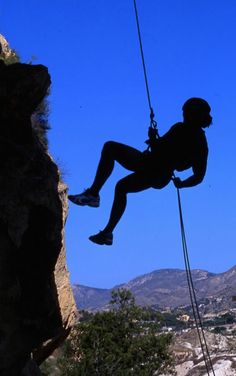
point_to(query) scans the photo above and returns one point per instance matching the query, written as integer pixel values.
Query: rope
(153, 123)
(142, 56)
(196, 314)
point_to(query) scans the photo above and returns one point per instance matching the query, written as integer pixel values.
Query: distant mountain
(167, 288)
(90, 298)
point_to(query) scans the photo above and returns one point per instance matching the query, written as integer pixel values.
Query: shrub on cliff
(119, 342)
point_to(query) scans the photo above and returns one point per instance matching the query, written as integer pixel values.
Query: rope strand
(195, 309)
(196, 314)
(142, 56)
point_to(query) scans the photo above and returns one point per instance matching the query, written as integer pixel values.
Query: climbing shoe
(102, 238)
(85, 198)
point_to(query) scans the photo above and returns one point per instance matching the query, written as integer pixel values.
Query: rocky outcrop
(36, 303)
(189, 359)
(6, 50)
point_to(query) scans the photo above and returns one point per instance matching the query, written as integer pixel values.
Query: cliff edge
(37, 308)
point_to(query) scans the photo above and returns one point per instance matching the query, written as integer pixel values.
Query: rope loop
(152, 131)
(153, 123)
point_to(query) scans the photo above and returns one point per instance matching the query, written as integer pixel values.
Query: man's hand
(178, 182)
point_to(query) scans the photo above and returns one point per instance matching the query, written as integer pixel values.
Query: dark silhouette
(184, 146)
(31, 223)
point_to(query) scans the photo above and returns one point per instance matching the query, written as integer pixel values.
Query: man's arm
(199, 171)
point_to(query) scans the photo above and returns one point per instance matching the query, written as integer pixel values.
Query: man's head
(197, 112)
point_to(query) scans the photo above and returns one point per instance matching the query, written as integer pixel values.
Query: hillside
(167, 288)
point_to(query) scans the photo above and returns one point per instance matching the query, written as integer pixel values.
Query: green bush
(114, 343)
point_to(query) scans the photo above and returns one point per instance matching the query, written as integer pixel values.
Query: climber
(184, 146)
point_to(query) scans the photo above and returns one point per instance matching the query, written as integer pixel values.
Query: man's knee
(121, 187)
(108, 147)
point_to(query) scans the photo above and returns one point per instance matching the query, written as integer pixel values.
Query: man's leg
(130, 184)
(112, 152)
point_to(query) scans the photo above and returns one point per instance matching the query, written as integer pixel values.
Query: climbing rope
(153, 123)
(193, 299)
(195, 309)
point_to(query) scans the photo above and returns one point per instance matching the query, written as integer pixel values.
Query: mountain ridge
(163, 288)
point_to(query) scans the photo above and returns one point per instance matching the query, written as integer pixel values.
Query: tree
(118, 342)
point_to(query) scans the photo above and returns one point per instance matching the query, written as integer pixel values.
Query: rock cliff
(37, 308)
(189, 359)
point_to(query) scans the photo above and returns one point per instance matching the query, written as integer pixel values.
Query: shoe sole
(81, 203)
(95, 205)
(100, 243)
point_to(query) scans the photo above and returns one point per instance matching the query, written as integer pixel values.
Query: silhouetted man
(184, 146)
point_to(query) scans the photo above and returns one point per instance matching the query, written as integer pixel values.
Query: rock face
(7, 51)
(36, 303)
(189, 359)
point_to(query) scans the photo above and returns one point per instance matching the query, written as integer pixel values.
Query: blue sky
(98, 94)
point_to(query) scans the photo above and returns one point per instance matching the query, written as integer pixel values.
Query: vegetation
(120, 342)
(40, 122)
(219, 321)
(12, 58)
(219, 330)
(171, 319)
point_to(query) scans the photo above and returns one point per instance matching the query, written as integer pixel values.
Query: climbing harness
(154, 133)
